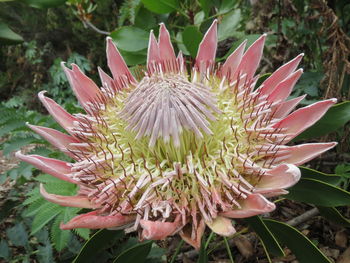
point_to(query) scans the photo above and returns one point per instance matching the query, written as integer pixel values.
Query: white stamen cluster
(162, 106)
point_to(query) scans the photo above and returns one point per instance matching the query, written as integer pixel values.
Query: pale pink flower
(177, 151)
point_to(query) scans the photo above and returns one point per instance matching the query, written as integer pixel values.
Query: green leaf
(101, 240)
(60, 238)
(4, 250)
(203, 255)
(332, 214)
(46, 213)
(16, 143)
(18, 235)
(191, 38)
(206, 6)
(180, 44)
(129, 38)
(318, 193)
(300, 245)
(265, 235)
(7, 36)
(43, 3)
(229, 24)
(336, 117)
(317, 175)
(83, 232)
(134, 58)
(199, 18)
(161, 6)
(226, 6)
(135, 254)
(45, 254)
(145, 19)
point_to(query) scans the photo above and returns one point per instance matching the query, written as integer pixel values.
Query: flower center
(166, 106)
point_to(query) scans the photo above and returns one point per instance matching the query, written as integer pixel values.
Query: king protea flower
(179, 150)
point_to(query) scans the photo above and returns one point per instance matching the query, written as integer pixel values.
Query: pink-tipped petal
(280, 177)
(156, 230)
(84, 88)
(56, 138)
(276, 192)
(56, 168)
(280, 74)
(70, 201)
(116, 63)
(284, 88)
(62, 117)
(300, 154)
(251, 59)
(105, 78)
(207, 49)
(93, 221)
(286, 107)
(153, 52)
(222, 226)
(196, 241)
(303, 118)
(254, 204)
(232, 62)
(166, 50)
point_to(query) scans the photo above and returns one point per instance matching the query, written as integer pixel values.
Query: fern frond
(45, 214)
(59, 238)
(34, 207)
(82, 232)
(32, 196)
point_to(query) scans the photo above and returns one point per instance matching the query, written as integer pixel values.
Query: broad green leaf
(206, 6)
(300, 245)
(198, 18)
(265, 235)
(101, 240)
(7, 36)
(226, 6)
(250, 40)
(135, 254)
(129, 38)
(317, 175)
(332, 214)
(17, 235)
(191, 38)
(180, 44)
(43, 3)
(318, 193)
(335, 118)
(229, 24)
(145, 19)
(161, 6)
(134, 58)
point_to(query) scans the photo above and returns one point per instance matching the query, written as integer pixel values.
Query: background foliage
(36, 35)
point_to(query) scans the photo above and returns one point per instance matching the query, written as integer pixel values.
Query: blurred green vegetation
(36, 35)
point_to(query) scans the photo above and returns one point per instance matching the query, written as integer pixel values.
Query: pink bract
(178, 150)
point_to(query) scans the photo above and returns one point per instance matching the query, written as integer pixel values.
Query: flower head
(179, 150)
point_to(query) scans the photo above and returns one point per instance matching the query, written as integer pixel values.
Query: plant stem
(228, 250)
(177, 251)
(209, 239)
